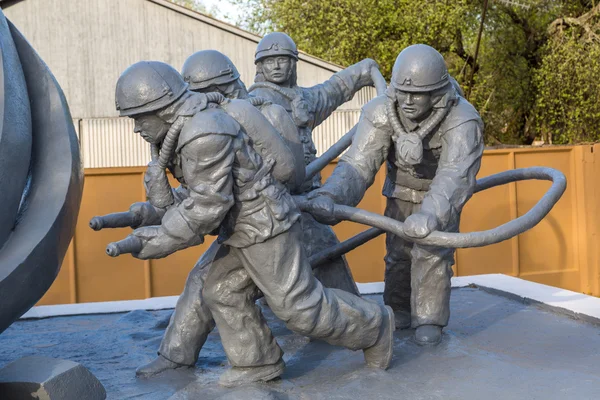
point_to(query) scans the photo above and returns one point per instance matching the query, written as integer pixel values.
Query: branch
(460, 51)
(522, 22)
(559, 24)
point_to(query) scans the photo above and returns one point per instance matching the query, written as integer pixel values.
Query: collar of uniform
(409, 125)
(450, 96)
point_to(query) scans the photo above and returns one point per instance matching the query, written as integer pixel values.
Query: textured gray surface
(494, 348)
(48, 378)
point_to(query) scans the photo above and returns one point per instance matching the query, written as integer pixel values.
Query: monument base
(45, 378)
(496, 347)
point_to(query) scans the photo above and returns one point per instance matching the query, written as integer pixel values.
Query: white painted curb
(577, 303)
(573, 302)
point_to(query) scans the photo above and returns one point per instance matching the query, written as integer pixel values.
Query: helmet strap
(409, 146)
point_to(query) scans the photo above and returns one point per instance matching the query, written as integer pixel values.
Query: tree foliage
(534, 76)
(568, 81)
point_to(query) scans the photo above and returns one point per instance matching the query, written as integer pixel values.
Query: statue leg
(333, 274)
(231, 296)
(192, 320)
(190, 323)
(431, 285)
(281, 270)
(397, 291)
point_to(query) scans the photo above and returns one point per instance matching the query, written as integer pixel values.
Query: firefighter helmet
(207, 68)
(148, 86)
(276, 44)
(419, 68)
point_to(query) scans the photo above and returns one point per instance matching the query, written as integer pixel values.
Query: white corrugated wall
(111, 142)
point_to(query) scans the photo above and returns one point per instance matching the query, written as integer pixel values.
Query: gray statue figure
(233, 172)
(211, 71)
(275, 59)
(431, 138)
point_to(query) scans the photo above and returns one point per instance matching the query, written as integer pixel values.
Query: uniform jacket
(229, 187)
(442, 182)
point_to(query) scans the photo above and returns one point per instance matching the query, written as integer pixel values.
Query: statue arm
(454, 182)
(357, 168)
(339, 89)
(207, 168)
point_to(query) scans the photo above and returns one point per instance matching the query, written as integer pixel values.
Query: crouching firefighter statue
(211, 71)
(432, 140)
(233, 184)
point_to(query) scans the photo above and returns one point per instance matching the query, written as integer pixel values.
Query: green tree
(508, 72)
(568, 80)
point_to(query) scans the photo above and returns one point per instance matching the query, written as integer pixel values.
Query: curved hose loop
(471, 239)
(378, 81)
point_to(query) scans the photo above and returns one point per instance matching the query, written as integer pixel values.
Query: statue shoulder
(207, 122)
(375, 111)
(274, 111)
(462, 112)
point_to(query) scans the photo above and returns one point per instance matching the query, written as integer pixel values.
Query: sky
(224, 10)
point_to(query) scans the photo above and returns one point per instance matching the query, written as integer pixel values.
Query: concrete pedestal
(45, 378)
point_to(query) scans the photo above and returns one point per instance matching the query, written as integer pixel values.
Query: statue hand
(322, 209)
(147, 213)
(420, 225)
(154, 245)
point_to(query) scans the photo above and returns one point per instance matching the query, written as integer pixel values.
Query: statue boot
(428, 335)
(236, 376)
(380, 354)
(156, 366)
(402, 319)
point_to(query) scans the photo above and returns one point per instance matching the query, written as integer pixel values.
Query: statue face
(415, 106)
(277, 69)
(150, 127)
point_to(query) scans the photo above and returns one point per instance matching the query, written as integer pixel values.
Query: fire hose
(503, 232)
(345, 141)
(383, 224)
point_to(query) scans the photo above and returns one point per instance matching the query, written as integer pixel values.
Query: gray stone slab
(494, 348)
(47, 378)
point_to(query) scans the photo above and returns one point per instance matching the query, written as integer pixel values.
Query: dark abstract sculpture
(41, 184)
(41, 177)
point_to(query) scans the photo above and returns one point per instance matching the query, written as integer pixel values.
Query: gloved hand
(147, 213)
(321, 207)
(155, 244)
(366, 67)
(420, 225)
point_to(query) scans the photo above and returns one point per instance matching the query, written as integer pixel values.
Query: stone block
(47, 378)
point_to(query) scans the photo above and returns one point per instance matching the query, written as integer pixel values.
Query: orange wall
(560, 251)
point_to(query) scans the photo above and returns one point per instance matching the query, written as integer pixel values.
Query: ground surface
(494, 348)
